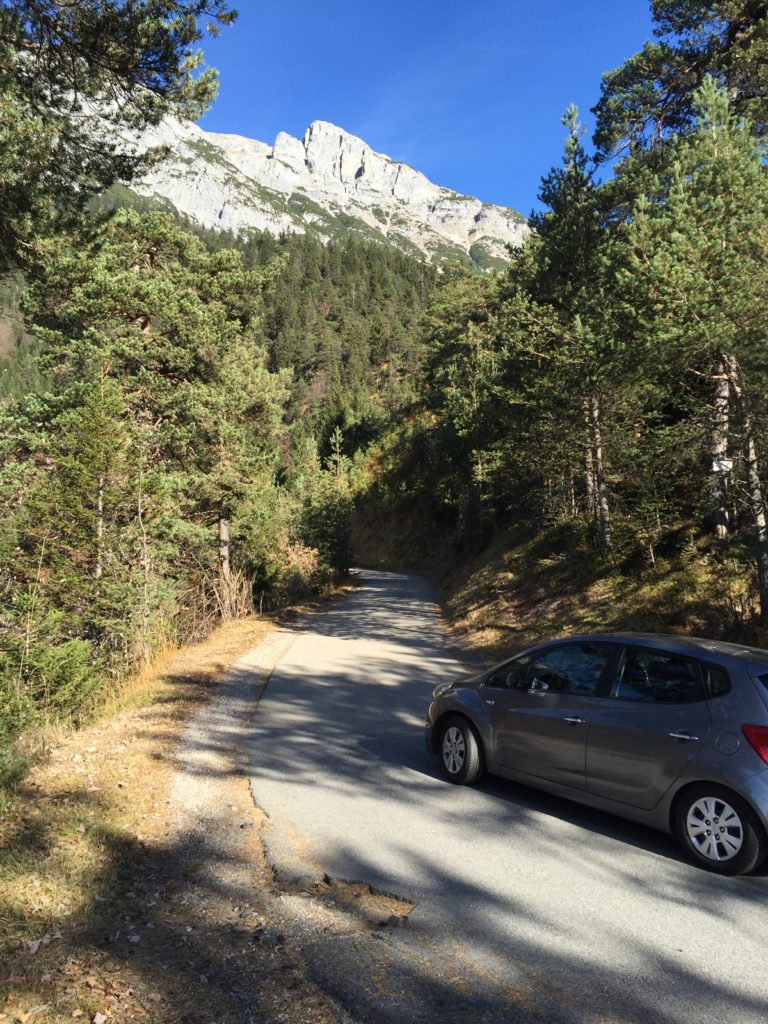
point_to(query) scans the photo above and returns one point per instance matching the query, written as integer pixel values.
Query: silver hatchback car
(668, 731)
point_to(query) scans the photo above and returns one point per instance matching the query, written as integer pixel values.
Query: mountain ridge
(329, 183)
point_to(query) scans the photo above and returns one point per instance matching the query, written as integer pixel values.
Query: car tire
(719, 830)
(461, 754)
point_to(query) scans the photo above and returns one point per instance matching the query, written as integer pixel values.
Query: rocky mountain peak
(330, 183)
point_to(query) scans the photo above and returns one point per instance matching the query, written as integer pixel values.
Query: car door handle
(685, 736)
(575, 720)
(491, 702)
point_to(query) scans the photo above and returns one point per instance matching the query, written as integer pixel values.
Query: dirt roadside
(133, 882)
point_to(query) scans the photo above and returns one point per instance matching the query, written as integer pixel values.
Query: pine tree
(651, 96)
(139, 303)
(556, 315)
(696, 283)
(462, 377)
(325, 519)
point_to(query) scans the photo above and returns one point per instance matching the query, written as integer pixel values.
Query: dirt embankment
(523, 587)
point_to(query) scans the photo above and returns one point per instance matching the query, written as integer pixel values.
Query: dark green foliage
(19, 367)
(695, 280)
(178, 397)
(161, 420)
(326, 521)
(579, 387)
(463, 387)
(343, 318)
(521, 369)
(651, 94)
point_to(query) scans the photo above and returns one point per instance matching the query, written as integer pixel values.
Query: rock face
(329, 183)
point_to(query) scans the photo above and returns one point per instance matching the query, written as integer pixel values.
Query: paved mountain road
(527, 907)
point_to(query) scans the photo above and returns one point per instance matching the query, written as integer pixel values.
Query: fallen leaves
(34, 944)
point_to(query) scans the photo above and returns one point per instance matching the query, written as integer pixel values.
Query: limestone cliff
(329, 183)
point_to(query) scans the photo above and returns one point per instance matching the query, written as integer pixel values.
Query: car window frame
(696, 662)
(502, 667)
(703, 663)
(611, 663)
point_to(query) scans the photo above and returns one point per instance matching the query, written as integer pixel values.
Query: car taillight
(758, 739)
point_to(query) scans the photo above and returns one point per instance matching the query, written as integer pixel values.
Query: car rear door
(540, 720)
(643, 734)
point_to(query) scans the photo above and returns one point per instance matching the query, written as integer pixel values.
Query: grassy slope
(524, 588)
(79, 828)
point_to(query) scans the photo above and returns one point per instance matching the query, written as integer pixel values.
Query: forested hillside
(605, 393)
(186, 455)
(179, 411)
(191, 421)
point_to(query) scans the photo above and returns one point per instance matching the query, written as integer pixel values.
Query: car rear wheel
(460, 752)
(720, 830)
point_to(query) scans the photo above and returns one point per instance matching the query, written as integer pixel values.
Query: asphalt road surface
(527, 907)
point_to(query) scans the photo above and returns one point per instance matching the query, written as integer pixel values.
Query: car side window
(574, 669)
(648, 676)
(511, 675)
(716, 681)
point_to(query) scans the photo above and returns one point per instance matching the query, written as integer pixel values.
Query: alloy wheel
(715, 830)
(454, 750)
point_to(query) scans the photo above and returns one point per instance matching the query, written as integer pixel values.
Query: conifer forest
(192, 422)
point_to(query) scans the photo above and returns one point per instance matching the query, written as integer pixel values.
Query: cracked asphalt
(526, 907)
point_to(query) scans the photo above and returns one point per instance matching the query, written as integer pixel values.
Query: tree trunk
(572, 508)
(718, 516)
(602, 511)
(144, 570)
(754, 486)
(99, 529)
(225, 571)
(589, 467)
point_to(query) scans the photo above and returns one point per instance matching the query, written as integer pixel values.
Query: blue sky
(470, 93)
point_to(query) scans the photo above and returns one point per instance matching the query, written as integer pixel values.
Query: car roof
(676, 644)
(672, 642)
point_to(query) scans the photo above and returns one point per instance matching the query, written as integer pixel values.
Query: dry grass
(90, 820)
(523, 590)
(91, 859)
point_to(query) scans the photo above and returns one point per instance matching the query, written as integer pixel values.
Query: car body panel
(463, 699)
(542, 734)
(633, 756)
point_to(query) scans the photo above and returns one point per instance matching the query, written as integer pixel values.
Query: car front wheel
(720, 830)
(460, 752)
